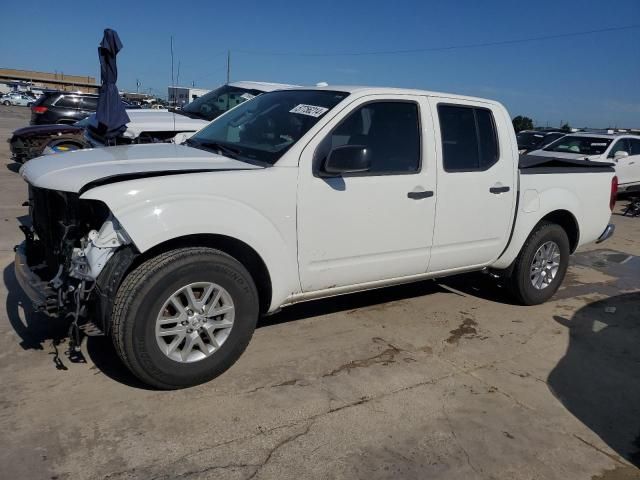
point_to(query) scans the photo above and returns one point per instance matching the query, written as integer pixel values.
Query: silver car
(17, 99)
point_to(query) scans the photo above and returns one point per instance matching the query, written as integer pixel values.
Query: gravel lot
(441, 379)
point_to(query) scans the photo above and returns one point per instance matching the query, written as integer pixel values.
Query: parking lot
(439, 379)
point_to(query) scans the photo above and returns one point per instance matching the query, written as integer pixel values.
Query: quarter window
(390, 131)
(469, 138)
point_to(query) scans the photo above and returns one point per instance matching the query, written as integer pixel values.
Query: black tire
(30, 104)
(6, 103)
(520, 279)
(141, 296)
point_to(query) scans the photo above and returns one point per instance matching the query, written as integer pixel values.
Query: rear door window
(90, 103)
(68, 101)
(469, 138)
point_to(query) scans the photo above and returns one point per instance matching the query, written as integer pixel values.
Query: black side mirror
(347, 159)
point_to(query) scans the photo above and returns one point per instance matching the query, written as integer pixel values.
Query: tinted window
(635, 146)
(68, 101)
(390, 131)
(218, 101)
(469, 138)
(265, 128)
(90, 103)
(620, 146)
(580, 144)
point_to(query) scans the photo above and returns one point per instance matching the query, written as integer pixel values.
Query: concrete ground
(441, 379)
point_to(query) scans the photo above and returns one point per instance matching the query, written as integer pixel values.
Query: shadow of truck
(598, 379)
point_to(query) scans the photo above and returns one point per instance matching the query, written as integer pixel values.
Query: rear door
(477, 183)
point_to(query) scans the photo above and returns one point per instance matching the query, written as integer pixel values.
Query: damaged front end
(67, 246)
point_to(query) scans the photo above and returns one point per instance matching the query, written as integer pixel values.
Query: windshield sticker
(247, 96)
(598, 144)
(311, 110)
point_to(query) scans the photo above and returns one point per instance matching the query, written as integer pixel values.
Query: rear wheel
(184, 317)
(541, 265)
(6, 103)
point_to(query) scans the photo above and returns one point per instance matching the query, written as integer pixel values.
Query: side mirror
(347, 159)
(621, 154)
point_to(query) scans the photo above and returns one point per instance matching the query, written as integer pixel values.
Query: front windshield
(218, 101)
(580, 144)
(263, 129)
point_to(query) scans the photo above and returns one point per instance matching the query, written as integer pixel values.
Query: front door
(476, 184)
(627, 168)
(374, 225)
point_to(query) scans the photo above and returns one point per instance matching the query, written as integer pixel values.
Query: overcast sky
(587, 80)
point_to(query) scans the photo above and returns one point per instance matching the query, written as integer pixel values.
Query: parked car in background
(63, 107)
(529, 140)
(17, 99)
(35, 140)
(621, 149)
(175, 250)
(162, 125)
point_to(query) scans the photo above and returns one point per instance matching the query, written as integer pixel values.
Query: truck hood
(568, 155)
(46, 130)
(81, 169)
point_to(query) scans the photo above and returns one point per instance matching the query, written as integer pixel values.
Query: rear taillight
(38, 109)
(614, 193)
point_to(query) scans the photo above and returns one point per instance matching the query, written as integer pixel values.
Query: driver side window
(620, 146)
(390, 133)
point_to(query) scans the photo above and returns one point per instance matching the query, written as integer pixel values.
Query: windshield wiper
(188, 114)
(215, 146)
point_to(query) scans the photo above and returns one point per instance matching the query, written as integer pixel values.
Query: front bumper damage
(70, 293)
(43, 296)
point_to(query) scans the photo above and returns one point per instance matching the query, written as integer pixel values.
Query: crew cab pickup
(175, 250)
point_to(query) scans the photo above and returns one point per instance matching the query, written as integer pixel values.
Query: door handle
(498, 190)
(419, 195)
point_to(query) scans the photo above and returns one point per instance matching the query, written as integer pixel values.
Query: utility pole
(228, 65)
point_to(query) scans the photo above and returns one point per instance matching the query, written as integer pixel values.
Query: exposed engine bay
(66, 249)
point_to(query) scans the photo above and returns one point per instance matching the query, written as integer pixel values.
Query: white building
(182, 95)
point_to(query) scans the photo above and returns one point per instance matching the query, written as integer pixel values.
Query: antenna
(173, 87)
(228, 65)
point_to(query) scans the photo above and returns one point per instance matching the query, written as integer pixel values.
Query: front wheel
(541, 265)
(6, 103)
(184, 317)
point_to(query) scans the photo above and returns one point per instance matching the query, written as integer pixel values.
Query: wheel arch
(234, 247)
(569, 224)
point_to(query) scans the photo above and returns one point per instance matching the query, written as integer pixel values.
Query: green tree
(522, 123)
(566, 127)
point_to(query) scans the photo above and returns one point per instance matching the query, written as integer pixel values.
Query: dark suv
(63, 107)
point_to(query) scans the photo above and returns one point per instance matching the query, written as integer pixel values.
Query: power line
(441, 49)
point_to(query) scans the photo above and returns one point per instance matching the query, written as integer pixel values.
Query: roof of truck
(263, 86)
(369, 90)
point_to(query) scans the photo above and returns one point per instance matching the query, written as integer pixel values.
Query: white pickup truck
(175, 250)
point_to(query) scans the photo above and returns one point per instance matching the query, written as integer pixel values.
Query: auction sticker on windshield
(311, 110)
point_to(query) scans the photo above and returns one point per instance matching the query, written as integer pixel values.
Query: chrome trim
(608, 233)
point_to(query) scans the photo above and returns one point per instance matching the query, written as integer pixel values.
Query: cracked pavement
(439, 379)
